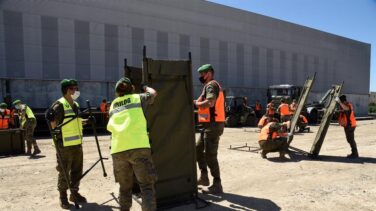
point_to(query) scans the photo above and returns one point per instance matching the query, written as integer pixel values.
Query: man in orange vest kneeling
(211, 114)
(273, 138)
(347, 120)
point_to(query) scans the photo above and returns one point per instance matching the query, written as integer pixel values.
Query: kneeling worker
(272, 138)
(130, 147)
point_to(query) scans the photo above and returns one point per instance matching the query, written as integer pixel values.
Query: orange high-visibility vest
(263, 121)
(304, 119)
(284, 109)
(265, 131)
(5, 119)
(270, 109)
(103, 107)
(344, 120)
(206, 114)
(258, 107)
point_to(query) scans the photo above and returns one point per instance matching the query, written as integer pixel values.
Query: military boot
(64, 200)
(263, 154)
(215, 188)
(36, 150)
(353, 155)
(28, 146)
(204, 179)
(75, 195)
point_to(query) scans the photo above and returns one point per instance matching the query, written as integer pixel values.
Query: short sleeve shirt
(59, 111)
(211, 90)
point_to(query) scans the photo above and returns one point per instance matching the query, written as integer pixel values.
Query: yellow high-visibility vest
(29, 114)
(71, 132)
(127, 124)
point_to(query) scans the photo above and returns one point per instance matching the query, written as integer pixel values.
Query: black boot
(215, 188)
(64, 200)
(204, 179)
(36, 150)
(75, 195)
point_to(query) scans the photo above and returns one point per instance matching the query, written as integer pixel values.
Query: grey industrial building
(42, 42)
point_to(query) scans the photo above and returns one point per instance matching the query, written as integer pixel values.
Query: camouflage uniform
(207, 145)
(29, 128)
(138, 163)
(72, 156)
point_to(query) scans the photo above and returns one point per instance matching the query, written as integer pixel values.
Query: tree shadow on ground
(239, 202)
(298, 155)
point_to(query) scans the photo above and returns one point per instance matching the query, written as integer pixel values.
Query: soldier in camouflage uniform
(70, 147)
(211, 115)
(130, 147)
(28, 123)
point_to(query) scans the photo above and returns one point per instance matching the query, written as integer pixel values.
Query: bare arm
(208, 103)
(344, 107)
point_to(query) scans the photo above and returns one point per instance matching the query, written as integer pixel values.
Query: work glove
(337, 100)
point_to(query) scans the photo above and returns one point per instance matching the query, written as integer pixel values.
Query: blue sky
(355, 19)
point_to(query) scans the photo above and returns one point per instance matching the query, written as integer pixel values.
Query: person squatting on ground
(211, 114)
(264, 120)
(28, 123)
(347, 120)
(273, 138)
(69, 142)
(130, 146)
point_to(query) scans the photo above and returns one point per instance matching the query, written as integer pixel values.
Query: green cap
(16, 102)
(68, 82)
(205, 68)
(3, 105)
(123, 80)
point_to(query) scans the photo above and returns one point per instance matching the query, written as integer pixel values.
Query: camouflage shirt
(211, 91)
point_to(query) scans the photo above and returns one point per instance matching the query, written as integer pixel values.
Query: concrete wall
(88, 40)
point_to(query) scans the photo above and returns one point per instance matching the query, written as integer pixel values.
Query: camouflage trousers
(72, 158)
(136, 162)
(29, 128)
(207, 148)
(277, 145)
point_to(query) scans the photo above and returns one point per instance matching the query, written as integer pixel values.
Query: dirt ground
(331, 182)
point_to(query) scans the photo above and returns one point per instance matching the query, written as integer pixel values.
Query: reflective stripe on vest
(4, 120)
(343, 118)
(71, 132)
(264, 134)
(219, 108)
(127, 124)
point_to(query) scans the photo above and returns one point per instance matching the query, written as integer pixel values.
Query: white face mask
(22, 107)
(2, 110)
(75, 95)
